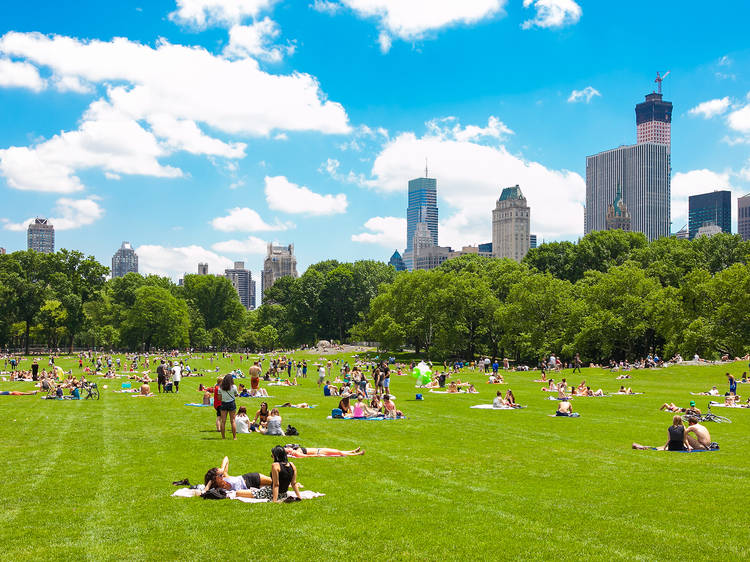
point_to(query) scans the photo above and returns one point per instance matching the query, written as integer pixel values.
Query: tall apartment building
(397, 262)
(202, 269)
(743, 216)
(713, 208)
(41, 236)
(643, 173)
(124, 261)
(511, 225)
(422, 207)
(279, 262)
(242, 281)
(532, 241)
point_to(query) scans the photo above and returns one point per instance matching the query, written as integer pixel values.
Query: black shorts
(218, 410)
(228, 406)
(252, 479)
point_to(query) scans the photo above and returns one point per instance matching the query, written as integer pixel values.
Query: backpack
(419, 397)
(291, 430)
(337, 413)
(215, 494)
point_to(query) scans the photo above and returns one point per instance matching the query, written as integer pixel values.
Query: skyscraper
(202, 269)
(653, 119)
(397, 262)
(422, 207)
(743, 216)
(510, 225)
(2, 251)
(532, 241)
(279, 262)
(242, 282)
(41, 236)
(124, 261)
(714, 208)
(618, 216)
(643, 173)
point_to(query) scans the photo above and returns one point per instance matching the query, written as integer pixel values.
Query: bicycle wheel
(721, 419)
(95, 393)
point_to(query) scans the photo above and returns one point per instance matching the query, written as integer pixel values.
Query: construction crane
(660, 79)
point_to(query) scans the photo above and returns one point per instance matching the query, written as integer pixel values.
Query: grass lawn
(92, 480)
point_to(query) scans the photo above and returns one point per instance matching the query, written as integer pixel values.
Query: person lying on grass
(677, 438)
(17, 393)
(672, 407)
(623, 376)
(496, 378)
(254, 484)
(713, 392)
(299, 452)
(551, 386)
(624, 390)
(290, 405)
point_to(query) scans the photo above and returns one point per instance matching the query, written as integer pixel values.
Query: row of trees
(611, 295)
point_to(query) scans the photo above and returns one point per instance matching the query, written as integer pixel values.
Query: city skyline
(492, 99)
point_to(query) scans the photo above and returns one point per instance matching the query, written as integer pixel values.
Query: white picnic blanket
(491, 407)
(196, 492)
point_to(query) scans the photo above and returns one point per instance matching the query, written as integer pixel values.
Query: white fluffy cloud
(283, 195)
(202, 13)
(739, 119)
(552, 13)
(69, 214)
(470, 178)
(413, 18)
(173, 88)
(584, 95)
(450, 127)
(173, 262)
(389, 232)
(20, 75)
(694, 182)
(106, 139)
(250, 245)
(243, 219)
(710, 108)
(257, 40)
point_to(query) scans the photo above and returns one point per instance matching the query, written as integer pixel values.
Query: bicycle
(711, 417)
(91, 389)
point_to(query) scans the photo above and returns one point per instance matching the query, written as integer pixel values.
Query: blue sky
(200, 130)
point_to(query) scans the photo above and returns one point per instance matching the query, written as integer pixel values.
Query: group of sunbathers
(375, 408)
(680, 438)
(508, 402)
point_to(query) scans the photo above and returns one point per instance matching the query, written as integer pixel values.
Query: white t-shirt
(498, 402)
(321, 372)
(243, 424)
(176, 373)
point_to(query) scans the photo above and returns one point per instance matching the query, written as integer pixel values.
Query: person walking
(176, 376)
(577, 363)
(161, 376)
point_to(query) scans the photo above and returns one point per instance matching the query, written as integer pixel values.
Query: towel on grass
(372, 418)
(556, 398)
(625, 394)
(280, 384)
(722, 405)
(446, 392)
(126, 391)
(693, 451)
(294, 406)
(491, 407)
(198, 405)
(196, 492)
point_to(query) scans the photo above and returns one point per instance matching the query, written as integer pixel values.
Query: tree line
(609, 295)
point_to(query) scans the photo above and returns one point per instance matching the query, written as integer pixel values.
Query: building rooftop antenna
(425, 168)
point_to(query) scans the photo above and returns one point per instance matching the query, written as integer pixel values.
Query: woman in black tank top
(283, 475)
(677, 436)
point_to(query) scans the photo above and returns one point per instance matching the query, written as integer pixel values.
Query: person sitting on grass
(452, 388)
(562, 389)
(358, 411)
(677, 439)
(551, 386)
(389, 408)
(592, 393)
(496, 378)
(498, 401)
(299, 452)
(242, 420)
(510, 399)
(145, 390)
(624, 390)
(565, 409)
(345, 407)
(261, 417)
(471, 390)
(274, 424)
(700, 438)
(244, 392)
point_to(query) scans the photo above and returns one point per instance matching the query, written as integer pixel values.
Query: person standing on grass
(577, 364)
(254, 372)
(321, 375)
(161, 376)
(228, 394)
(732, 383)
(304, 369)
(176, 376)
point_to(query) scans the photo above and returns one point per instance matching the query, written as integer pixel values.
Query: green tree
(157, 319)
